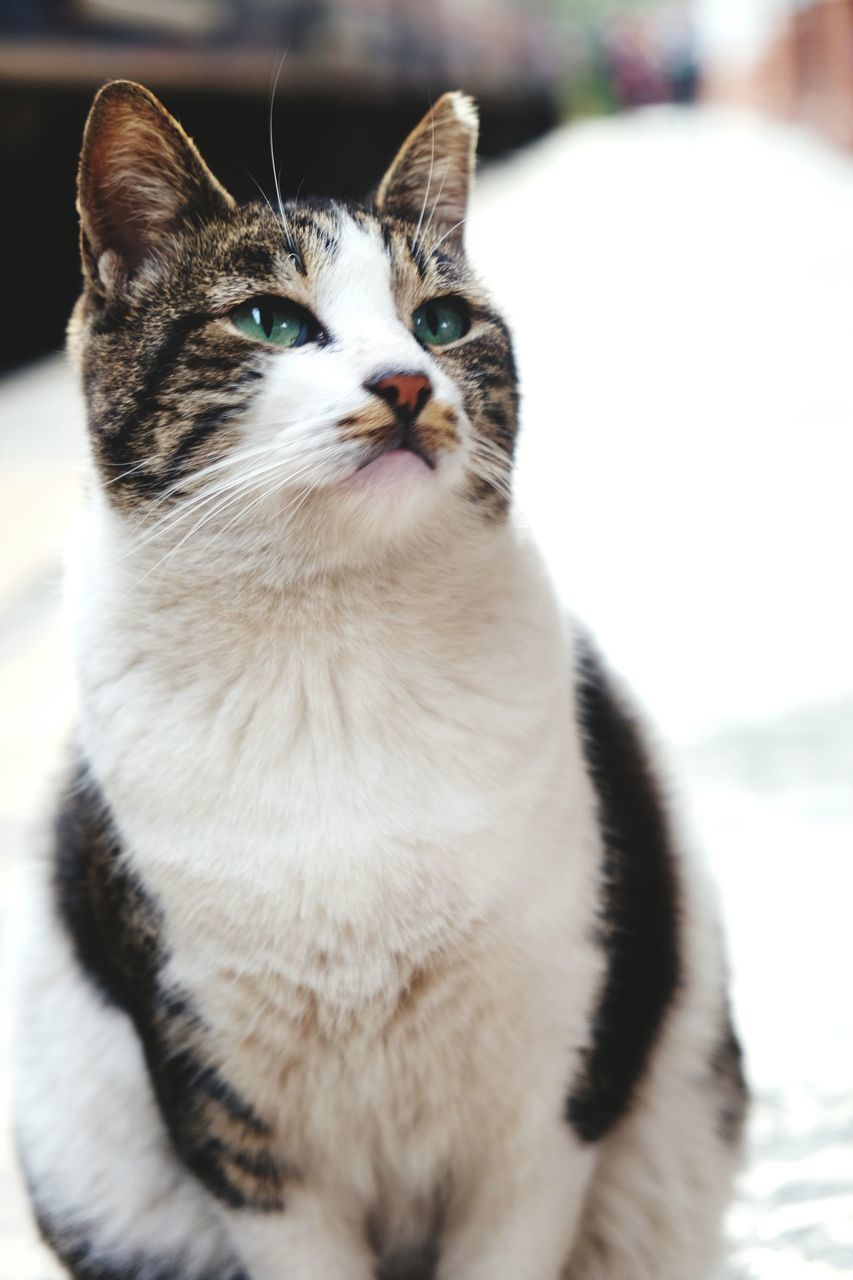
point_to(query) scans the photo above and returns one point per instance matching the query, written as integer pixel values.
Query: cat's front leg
(519, 1221)
(312, 1238)
(281, 1225)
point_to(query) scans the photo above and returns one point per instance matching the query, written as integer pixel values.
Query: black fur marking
(387, 239)
(207, 362)
(502, 433)
(78, 1253)
(113, 925)
(419, 258)
(728, 1078)
(210, 421)
(116, 932)
(327, 241)
(158, 368)
(319, 220)
(494, 321)
(253, 259)
(639, 909)
(443, 262)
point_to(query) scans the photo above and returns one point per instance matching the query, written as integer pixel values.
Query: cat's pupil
(432, 318)
(264, 317)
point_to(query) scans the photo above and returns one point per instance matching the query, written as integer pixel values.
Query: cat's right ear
(431, 176)
(140, 180)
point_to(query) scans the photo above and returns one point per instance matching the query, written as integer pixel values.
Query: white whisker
(139, 466)
(436, 203)
(301, 496)
(266, 198)
(228, 463)
(241, 487)
(288, 237)
(450, 231)
(429, 182)
(492, 464)
(174, 514)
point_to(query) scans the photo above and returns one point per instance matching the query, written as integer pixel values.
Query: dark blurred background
(356, 75)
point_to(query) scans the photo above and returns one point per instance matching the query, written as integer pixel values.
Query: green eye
(276, 320)
(441, 320)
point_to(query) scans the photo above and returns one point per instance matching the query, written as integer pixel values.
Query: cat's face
(327, 372)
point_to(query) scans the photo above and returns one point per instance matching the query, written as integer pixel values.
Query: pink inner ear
(141, 178)
(120, 223)
(133, 186)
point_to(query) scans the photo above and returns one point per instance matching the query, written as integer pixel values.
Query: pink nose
(405, 392)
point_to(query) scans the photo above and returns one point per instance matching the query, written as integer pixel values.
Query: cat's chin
(393, 491)
(396, 494)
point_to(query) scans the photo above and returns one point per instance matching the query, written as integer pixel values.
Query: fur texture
(362, 946)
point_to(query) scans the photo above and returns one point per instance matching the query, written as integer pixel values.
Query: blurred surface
(679, 287)
(791, 58)
(41, 437)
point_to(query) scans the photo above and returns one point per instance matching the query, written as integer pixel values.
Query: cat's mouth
(423, 437)
(403, 441)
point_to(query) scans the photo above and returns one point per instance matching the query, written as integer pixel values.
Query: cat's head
(320, 374)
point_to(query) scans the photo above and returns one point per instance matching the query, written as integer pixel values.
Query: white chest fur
(361, 808)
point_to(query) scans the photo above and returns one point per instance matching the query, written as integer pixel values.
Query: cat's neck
(455, 584)
(332, 725)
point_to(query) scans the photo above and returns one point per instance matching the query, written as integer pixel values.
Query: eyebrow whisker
(450, 231)
(289, 240)
(429, 179)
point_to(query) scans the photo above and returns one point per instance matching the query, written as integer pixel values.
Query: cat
(361, 944)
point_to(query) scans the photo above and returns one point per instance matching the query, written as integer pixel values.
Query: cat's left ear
(141, 179)
(431, 176)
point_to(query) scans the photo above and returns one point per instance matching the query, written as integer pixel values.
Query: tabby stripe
(328, 241)
(416, 253)
(388, 240)
(443, 262)
(160, 364)
(495, 321)
(209, 422)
